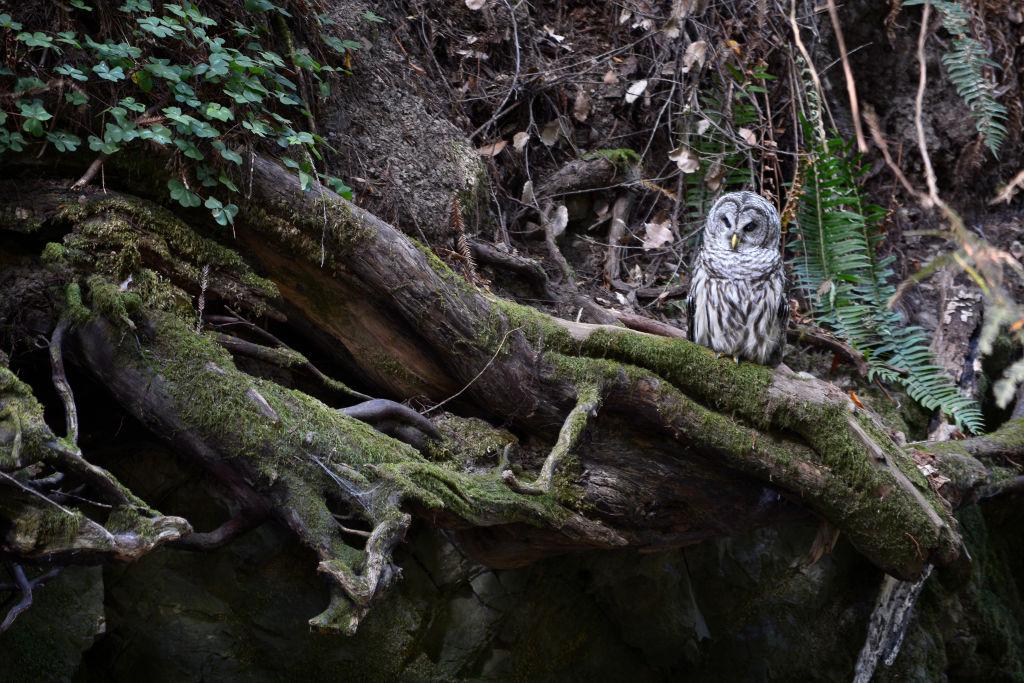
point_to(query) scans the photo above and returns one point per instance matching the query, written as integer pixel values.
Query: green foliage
(835, 241)
(186, 78)
(965, 62)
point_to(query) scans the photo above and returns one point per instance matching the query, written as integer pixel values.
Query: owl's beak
(734, 241)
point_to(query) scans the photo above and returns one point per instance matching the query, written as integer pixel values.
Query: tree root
(587, 402)
(25, 586)
(60, 380)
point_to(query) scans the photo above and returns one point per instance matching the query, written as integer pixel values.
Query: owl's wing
(691, 315)
(782, 319)
(691, 303)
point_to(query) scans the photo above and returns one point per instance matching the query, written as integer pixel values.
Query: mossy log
(639, 441)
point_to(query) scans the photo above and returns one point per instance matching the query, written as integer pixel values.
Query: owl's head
(743, 221)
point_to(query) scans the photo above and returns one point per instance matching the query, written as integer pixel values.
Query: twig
(616, 232)
(851, 86)
(501, 344)
(499, 111)
(90, 172)
(876, 134)
(922, 81)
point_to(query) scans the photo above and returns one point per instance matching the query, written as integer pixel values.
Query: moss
(328, 234)
(58, 527)
(54, 254)
(386, 365)
(75, 309)
(468, 442)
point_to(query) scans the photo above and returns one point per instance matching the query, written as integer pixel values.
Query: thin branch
(851, 86)
(933, 189)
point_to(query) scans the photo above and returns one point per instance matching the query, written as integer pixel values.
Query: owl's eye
(750, 227)
(725, 220)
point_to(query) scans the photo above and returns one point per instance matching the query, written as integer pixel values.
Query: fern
(837, 268)
(965, 62)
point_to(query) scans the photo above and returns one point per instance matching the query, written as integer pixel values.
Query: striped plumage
(737, 304)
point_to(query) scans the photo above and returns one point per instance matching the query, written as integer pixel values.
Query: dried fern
(965, 62)
(838, 269)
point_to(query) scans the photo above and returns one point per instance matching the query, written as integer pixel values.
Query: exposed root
(242, 522)
(23, 584)
(60, 380)
(282, 357)
(587, 402)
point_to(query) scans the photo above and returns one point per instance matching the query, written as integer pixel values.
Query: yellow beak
(734, 241)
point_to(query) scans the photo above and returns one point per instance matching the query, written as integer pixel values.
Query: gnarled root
(588, 400)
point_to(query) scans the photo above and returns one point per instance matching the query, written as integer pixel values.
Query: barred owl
(737, 304)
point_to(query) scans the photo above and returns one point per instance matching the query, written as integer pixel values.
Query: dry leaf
(473, 54)
(549, 133)
(715, 176)
(635, 90)
(748, 136)
(581, 107)
(559, 221)
(657, 234)
(625, 15)
(493, 149)
(702, 126)
(685, 159)
(694, 55)
(610, 78)
(519, 140)
(528, 197)
(475, 4)
(552, 35)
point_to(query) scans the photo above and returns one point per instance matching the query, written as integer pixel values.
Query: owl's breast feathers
(737, 304)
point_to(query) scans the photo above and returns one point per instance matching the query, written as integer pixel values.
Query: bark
(651, 442)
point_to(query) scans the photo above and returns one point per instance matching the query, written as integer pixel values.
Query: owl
(737, 304)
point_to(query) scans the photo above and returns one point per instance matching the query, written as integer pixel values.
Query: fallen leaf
(552, 35)
(473, 54)
(493, 149)
(528, 197)
(702, 126)
(694, 55)
(610, 78)
(581, 107)
(625, 15)
(657, 234)
(549, 133)
(748, 136)
(715, 176)
(635, 90)
(475, 4)
(559, 221)
(685, 159)
(519, 140)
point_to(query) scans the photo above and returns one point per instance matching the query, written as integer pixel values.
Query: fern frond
(965, 63)
(838, 270)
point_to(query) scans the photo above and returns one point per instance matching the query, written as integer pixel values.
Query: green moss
(54, 254)
(468, 442)
(75, 309)
(57, 527)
